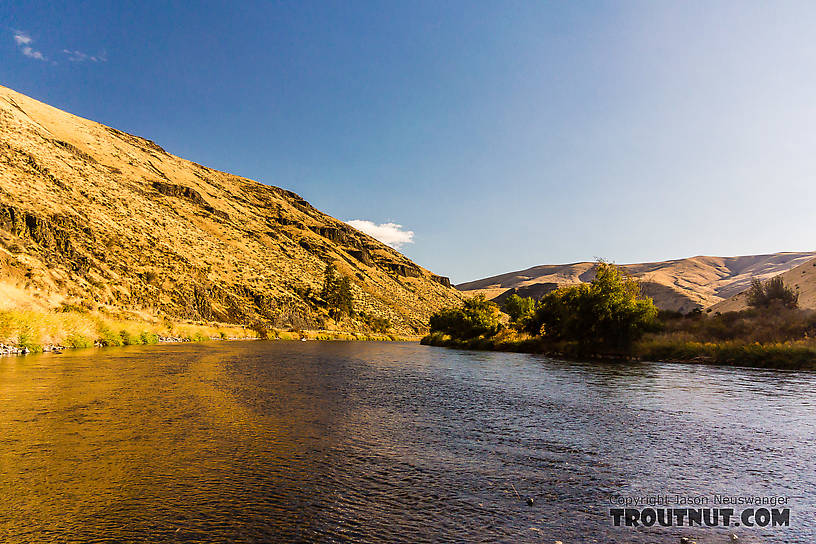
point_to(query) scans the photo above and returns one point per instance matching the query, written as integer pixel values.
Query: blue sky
(502, 134)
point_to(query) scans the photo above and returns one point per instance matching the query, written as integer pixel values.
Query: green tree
(379, 324)
(477, 317)
(337, 293)
(518, 308)
(773, 292)
(607, 312)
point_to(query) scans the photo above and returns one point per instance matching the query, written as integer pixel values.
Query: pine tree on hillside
(337, 293)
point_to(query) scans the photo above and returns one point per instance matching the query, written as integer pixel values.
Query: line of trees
(607, 312)
(611, 314)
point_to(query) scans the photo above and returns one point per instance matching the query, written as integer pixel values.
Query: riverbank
(6, 349)
(793, 355)
(23, 332)
(339, 336)
(26, 331)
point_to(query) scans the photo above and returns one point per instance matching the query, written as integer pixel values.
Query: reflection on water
(384, 442)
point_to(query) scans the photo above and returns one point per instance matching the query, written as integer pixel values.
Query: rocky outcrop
(52, 233)
(400, 269)
(188, 193)
(362, 255)
(441, 280)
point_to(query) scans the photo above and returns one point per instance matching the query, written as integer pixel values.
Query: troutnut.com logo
(700, 511)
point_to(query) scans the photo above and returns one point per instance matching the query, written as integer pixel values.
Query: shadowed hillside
(680, 285)
(93, 217)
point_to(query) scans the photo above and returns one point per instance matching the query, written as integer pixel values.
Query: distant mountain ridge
(679, 285)
(91, 216)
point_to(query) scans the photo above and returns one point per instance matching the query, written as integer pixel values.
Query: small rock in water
(684, 540)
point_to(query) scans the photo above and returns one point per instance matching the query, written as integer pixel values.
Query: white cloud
(28, 52)
(24, 41)
(79, 56)
(390, 234)
(21, 38)
(24, 44)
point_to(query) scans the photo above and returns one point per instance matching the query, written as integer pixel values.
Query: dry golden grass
(93, 216)
(35, 330)
(802, 279)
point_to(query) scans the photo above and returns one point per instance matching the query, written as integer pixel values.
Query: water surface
(386, 442)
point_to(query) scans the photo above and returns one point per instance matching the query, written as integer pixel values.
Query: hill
(802, 279)
(93, 217)
(680, 285)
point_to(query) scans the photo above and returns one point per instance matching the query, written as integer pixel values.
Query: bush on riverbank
(476, 318)
(520, 310)
(607, 313)
(764, 325)
(787, 355)
(792, 354)
(775, 336)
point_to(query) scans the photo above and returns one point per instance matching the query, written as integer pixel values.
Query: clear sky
(502, 134)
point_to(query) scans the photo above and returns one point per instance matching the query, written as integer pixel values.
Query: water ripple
(369, 442)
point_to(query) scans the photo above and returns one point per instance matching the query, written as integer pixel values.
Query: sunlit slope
(682, 284)
(90, 215)
(802, 279)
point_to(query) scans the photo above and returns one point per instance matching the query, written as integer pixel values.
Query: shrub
(79, 309)
(27, 339)
(261, 329)
(608, 312)
(376, 323)
(78, 341)
(477, 317)
(752, 325)
(773, 292)
(130, 339)
(518, 308)
(148, 337)
(150, 276)
(109, 338)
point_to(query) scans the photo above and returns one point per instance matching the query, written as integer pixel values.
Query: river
(388, 442)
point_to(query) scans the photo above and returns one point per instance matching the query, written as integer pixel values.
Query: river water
(387, 442)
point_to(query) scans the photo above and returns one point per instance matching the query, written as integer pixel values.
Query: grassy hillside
(802, 279)
(96, 219)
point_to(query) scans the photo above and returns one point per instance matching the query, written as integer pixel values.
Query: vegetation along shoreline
(28, 332)
(608, 318)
